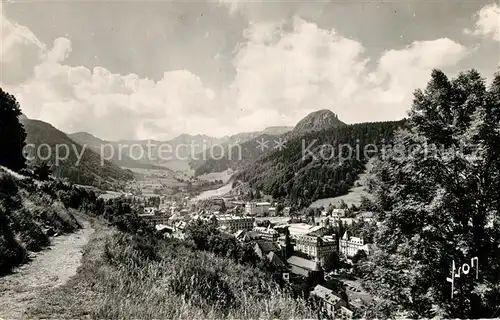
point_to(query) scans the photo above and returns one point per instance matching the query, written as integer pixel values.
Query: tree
(12, 133)
(359, 256)
(343, 205)
(288, 249)
(332, 262)
(258, 194)
(42, 171)
(441, 181)
(367, 205)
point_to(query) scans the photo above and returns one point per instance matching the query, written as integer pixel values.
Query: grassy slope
(356, 193)
(28, 216)
(124, 278)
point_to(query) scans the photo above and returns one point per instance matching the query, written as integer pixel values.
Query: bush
(203, 287)
(11, 252)
(30, 232)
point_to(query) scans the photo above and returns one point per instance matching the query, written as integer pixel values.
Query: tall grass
(28, 217)
(129, 277)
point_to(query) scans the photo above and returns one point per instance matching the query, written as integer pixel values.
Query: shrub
(11, 252)
(203, 287)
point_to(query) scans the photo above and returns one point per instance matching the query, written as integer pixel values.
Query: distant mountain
(247, 136)
(88, 171)
(173, 154)
(277, 130)
(110, 150)
(179, 153)
(271, 136)
(233, 156)
(318, 120)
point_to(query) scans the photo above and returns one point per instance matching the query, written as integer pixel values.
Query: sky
(154, 70)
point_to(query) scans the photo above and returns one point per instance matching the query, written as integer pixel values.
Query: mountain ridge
(317, 120)
(82, 165)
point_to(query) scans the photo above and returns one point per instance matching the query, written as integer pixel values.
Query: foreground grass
(127, 277)
(29, 215)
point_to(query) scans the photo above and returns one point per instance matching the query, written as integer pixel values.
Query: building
(286, 211)
(339, 212)
(267, 233)
(150, 210)
(349, 246)
(179, 226)
(345, 313)
(234, 223)
(262, 207)
(298, 229)
(251, 209)
(263, 248)
(366, 216)
(331, 304)
(257, 208)
(306, 268)
(276, 261)
(348, 221)
(315, 247)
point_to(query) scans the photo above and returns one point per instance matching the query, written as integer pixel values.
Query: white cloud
(20, 51)
(76, 98)
(109, 105)
(288, 74)
(232, 5)
(281, 75)
(487, 22)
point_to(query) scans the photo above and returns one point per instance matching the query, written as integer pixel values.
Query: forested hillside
(232, 156)
(109, 150)
(88, 171)
(318, 164)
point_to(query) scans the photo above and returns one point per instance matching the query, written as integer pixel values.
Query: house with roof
(257, 208)
(263, 248)
(345, 313)
(276, 261)
(339, 212)
(331, 304)
(366, 216)
(299, 229)
(306, 268)
(268, 233)
(315, 247)
(150, 210)
(286, 211)
(349, 246)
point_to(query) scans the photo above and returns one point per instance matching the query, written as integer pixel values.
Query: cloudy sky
(145, 69)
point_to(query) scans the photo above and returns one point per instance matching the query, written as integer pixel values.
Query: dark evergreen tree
(42, 171)
(12, 133)
(444, 199)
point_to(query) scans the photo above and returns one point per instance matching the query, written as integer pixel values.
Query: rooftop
(229, 217)
(275, 260)
(267, 246)
(325, 294)
(302, 228)
(265, 230)
(263, 203)
(304, 263)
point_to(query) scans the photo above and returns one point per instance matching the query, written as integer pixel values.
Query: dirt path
(48, 269)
